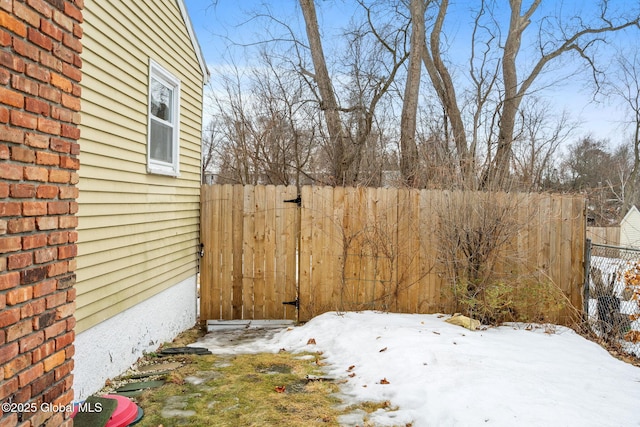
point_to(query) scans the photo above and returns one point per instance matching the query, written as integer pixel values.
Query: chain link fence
(612, 296)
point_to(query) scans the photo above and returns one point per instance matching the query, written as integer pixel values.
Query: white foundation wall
(111, 347)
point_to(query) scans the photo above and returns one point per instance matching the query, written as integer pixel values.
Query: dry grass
(246, 390)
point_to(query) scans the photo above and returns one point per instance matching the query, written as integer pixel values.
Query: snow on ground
(439, 374)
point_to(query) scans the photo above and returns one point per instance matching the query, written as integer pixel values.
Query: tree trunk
(408, 146)
(328, 102)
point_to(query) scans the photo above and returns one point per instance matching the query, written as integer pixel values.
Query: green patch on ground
(242, 390)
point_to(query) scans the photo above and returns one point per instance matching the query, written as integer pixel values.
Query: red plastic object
(125, 413)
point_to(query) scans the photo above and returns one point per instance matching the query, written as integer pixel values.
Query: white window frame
(160, 74)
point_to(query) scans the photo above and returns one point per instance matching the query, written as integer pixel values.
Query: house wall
(138, 232)
(630, 229)
(40, 69)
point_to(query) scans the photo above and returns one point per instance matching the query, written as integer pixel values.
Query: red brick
(30, 342)
(8, 352)
(68, 222)
(33, 173)
(36, 140)
(23, 84)
(11, 171)
(27, 14)
(56, 300)
(56, 329)
(18, 261)
(39, 39)
(12, 24)
(60, 145)
(10, 244)
(9, 317)
(45, 255)
(64, 311)
(11, 98)
(72, 72)
(70, 131)
(21, 225)
(47, 191)
(73, 207)
(7, 388)
(34, 208)
(34, 241)
(63, 114)
(50, 93)
(64, 340)
(71, 323)
(47, 223)
(43, 351)
(48, 28)
(33, 308)
(73, 236)
(44, 319)
(22, 191)
(19, 330)
(72, 11)
(11, 134)
(29, 375)
(58, 208)
(59, 176)
(69, 163)
(63, 21)
(22, 119)
(4, 112)
(27, 50)
(64, 370)
(64, 53)
(58, 238)
(42, 7)
(67, 281)
(5, 39)
(12, 62)
(71, 295)
(38, 73)
(16, 365)
(4, 190)
(61, 83)
(9, 280)
(75, 177)
(65, 252)
(57, 269)
(49, 61)
(51, 127)
(23, 155)
(19, 295)
(37, 387)
(69, 192)
(33, 275)
(36, 106)
(54, 360)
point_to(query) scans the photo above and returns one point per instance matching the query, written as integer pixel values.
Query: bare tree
(556, 37)
(626, 87)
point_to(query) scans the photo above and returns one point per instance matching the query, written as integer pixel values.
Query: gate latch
(295, 303)
(297, 200)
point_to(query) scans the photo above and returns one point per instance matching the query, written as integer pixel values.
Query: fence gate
(612, 295)
(250, 238)
(271, 252)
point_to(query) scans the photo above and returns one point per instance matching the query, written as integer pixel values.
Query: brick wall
(39, 115)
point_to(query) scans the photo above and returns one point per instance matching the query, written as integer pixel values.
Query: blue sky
(213, 24)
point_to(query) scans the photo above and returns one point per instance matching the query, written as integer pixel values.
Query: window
(163, 134)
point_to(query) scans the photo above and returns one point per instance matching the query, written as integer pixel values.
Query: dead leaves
(311, 341)
(280, 389)
(384, 381)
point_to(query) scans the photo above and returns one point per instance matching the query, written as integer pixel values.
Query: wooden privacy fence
(374, 248)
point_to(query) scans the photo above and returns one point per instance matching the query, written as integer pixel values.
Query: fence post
(587, 268)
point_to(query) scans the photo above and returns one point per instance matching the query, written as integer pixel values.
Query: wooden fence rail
(372, 248)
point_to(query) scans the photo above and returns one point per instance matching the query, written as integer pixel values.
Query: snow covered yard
(438, 374)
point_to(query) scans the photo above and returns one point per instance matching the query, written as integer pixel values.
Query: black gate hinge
(297, 200)
(295, 303)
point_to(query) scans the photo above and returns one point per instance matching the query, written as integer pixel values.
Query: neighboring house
(630, 229)
(140, 156)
